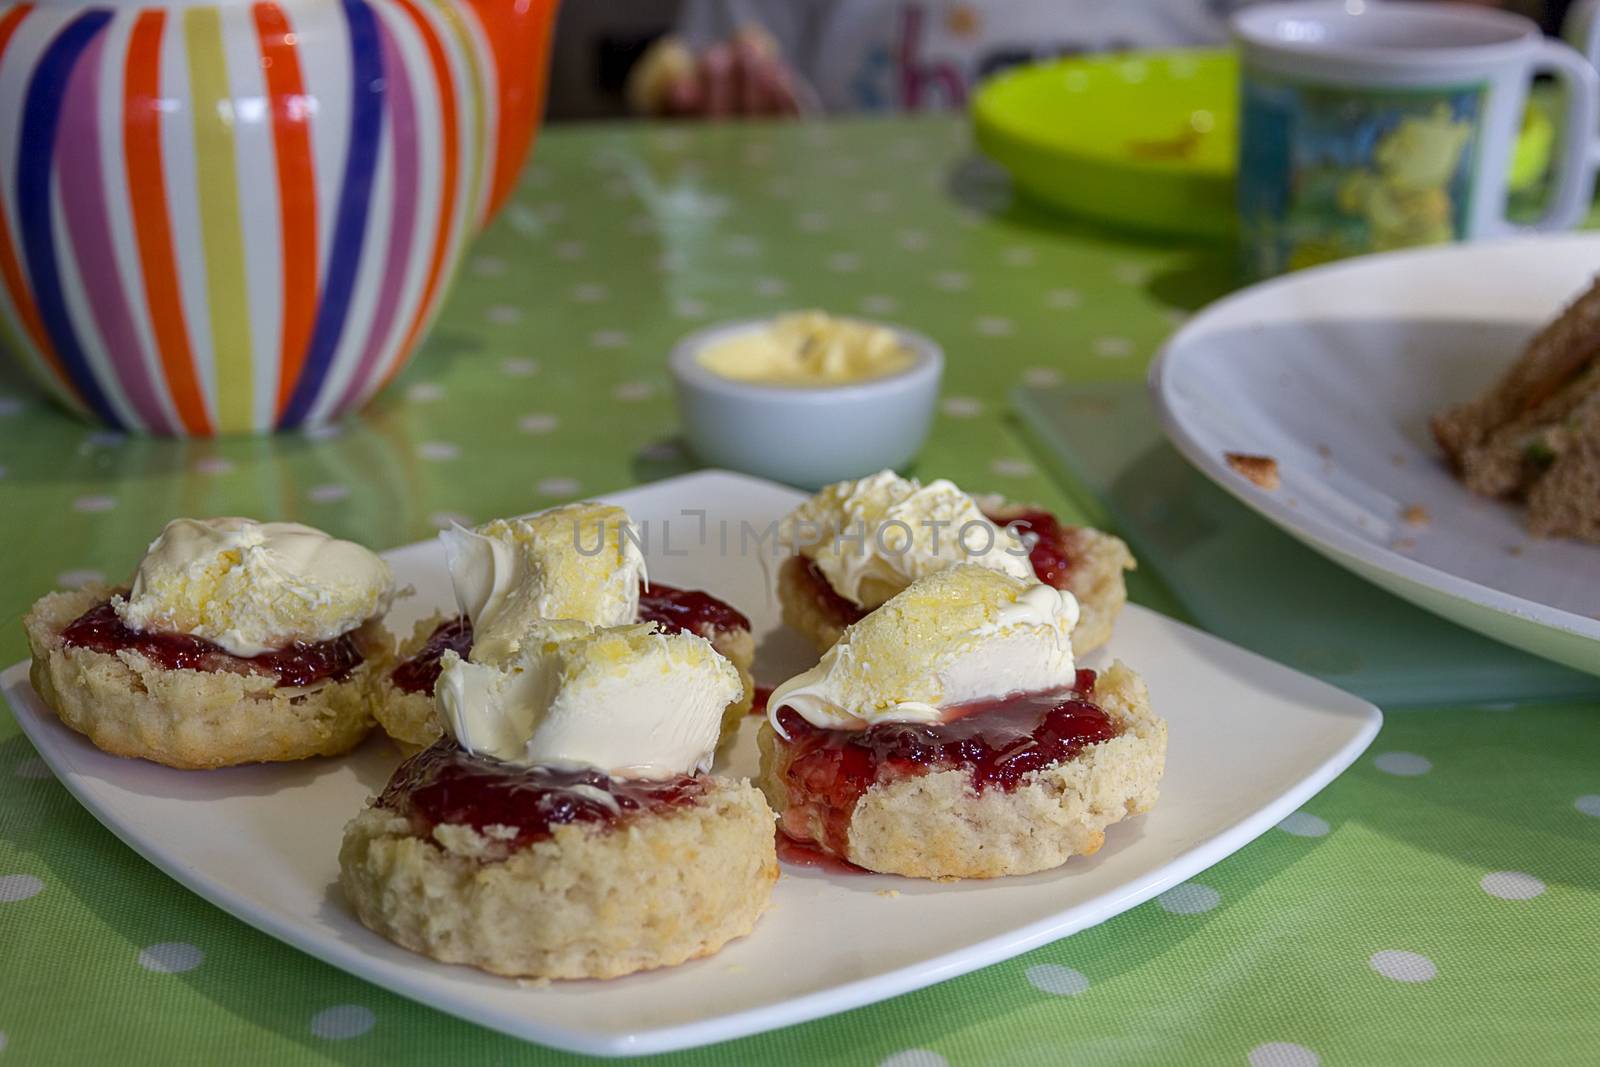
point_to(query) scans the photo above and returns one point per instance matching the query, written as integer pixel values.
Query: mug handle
(1580, 150)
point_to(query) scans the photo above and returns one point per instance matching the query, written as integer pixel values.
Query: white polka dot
(1113, 347)
(558, 486)
(79, 579)
(1511, 885)
(538, 422)
(524, 220)
(846, 166)
(951, 280)
(590, 293)
(661, 452)
(171, 957)
(879, 305)
(1282, 1054)
(1588, 804)
(671, 262)
(489, 266)
(33, 767)
(342, 1021)
(519, 367)
(962, 407)
(504, 315)
(1019, 257)
(213, 465)
(618, 188)
(743, 245)
(780, 188)
(425, 393)
(878, 200)
(438, 450)
(106, 439)
(326, 432)
(1304, 824)
(1008, 467)
(1190, 898)
(3, 1041)
(1403, 764)
(15, 887)
(844, 262)
(570, 250)
(1403, 966)
(912, 240)
(1041, 377)
(690, 309)
(94, 503)
(1130, 273)
(811, 221)
(914, 1057)
(1063, 298)
(994, 326)
(3, 471)
(608, 338)
(1133, 70)
(331, 493)
(10, 405)
(1056, 979)
(443, 520)
(552, 212)
(771, 287)
(634, 392)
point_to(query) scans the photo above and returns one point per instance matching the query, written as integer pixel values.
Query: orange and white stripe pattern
(235, 217)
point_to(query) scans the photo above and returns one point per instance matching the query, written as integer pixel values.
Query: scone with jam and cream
(566, 825)
(858, 543)
(950, 734)
(579, 562)
(237, 642)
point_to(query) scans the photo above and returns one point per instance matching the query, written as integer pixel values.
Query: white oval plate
(1334, 373)
(1249, 742)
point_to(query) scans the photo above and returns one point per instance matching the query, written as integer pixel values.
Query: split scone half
(949, 735)
(238, 642)
(566, 825)
(858, 543)
(580, 561)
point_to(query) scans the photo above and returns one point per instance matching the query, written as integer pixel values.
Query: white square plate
(1250, 742)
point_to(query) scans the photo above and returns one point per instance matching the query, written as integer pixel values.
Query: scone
(580, 561)
(858, 543)
(237, 642)
(950, 735)
(566, 825)
(403, 696)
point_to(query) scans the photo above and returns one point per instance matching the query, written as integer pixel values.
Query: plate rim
(1326, 536)
(353, 959)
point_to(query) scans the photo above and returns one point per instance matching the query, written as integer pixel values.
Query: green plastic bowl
(1145, 141)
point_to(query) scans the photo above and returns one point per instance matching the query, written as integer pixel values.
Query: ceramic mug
(234, 216)
(1370, 126)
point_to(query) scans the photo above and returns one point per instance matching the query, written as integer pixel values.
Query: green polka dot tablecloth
(1438, 904)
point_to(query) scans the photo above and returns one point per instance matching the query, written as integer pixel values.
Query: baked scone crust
(938, 826)
(586, 902)
(191, 720)
(410, 718)
(1096, 579)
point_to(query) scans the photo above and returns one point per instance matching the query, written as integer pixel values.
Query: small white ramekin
(806, 436)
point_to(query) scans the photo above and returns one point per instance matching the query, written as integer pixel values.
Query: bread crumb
(1416, 515)
(1513, 550)
(889, 893)
(1398, 460)
(1262, 470)
(1403, 544)
(1324, 451)
(533, 983)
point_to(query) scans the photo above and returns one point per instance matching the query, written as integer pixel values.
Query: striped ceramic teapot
(235, 216)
